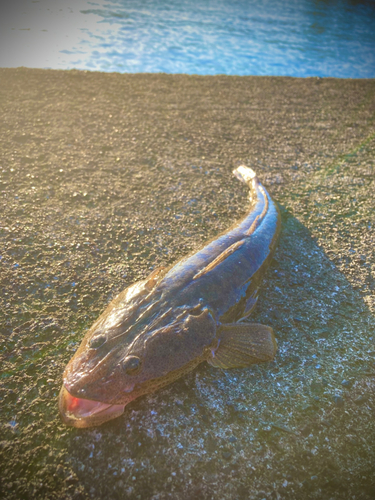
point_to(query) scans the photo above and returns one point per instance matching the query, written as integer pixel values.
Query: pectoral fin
(242, 345)
(249, 306)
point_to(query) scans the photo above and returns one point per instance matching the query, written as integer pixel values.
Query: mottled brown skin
(160, 328)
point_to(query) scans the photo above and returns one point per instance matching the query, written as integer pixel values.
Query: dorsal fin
(153, 278)
(220, 258)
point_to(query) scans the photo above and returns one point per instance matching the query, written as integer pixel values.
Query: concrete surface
(106, 176)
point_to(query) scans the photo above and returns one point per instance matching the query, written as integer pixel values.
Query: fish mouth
(81, 413)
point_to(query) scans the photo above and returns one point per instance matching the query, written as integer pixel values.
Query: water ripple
(239, 37)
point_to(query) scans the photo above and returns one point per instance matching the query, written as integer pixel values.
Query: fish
(162, 327)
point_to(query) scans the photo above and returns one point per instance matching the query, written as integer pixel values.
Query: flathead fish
(162, 327)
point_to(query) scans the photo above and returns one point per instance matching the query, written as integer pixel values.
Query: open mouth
(80, 413)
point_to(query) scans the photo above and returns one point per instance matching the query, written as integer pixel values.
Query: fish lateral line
(248, 178)
(219, 259)
(259, 218)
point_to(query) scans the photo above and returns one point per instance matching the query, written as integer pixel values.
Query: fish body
(162, 327)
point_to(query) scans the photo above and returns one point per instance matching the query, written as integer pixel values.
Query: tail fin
(245, 174)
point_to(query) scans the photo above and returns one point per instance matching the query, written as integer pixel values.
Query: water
(235, 37)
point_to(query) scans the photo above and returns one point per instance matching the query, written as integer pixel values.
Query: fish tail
(245, 174)
(257, 192)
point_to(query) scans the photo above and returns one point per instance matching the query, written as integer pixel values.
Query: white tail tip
(244, 174)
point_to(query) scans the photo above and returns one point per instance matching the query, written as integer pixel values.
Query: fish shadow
(323, 329)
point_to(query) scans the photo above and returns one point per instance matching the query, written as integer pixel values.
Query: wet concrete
(105, 177)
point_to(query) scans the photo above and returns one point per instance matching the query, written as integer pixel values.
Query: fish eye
(97, 341)
(131, 365)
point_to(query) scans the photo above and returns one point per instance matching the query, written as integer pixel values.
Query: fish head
(131, 350)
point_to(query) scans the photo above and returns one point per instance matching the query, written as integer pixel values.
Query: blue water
(235, 37)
